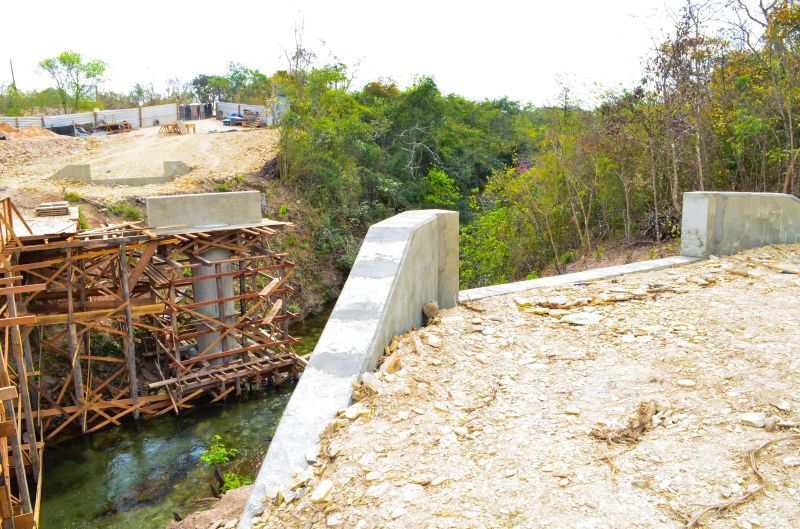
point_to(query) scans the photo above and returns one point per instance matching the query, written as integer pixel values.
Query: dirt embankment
(659, 400)
(221, 159)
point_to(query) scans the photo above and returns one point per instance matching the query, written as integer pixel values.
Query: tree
(74, 76)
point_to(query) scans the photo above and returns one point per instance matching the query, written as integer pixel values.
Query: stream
(137, 475)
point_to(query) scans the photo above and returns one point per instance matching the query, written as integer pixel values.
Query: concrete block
(404, 262)
(80, 172)
(173, 169)
(205, 210)
(722, 223)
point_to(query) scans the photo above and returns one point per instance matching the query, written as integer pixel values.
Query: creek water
(137, 475)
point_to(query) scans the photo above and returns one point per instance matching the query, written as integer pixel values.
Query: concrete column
(209, 290)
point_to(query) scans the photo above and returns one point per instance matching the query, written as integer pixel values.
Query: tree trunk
(700, 177)
(675, 183)
(655, 191)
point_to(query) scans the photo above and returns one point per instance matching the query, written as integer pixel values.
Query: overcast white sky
(484, 49)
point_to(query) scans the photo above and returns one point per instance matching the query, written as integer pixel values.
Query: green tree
(74, 76)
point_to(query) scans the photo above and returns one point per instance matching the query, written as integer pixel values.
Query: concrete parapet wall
(205, 210)
(404, 262)
(725, 223)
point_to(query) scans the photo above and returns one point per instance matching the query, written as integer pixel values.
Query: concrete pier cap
(404, 262)
(204, 211)
(722, 223)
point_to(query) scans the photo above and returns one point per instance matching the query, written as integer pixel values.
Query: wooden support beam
(57, 319)
(144, 259)
(22, 380)
(128, 346)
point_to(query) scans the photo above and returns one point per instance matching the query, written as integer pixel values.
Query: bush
(229, 185)
(72, 196)
(218, 453)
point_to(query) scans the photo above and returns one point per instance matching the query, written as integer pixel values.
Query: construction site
(132, 321)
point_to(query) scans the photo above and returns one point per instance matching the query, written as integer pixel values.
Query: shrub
(218, 453)
(229, 184)
(234, 481)
(72, 196)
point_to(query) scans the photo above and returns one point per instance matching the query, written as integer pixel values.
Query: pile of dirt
(13, 133)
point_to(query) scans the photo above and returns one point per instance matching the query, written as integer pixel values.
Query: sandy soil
(500, 417)
(26, 164)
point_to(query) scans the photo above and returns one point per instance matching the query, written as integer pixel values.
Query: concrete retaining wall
(404, 262)
(83, 173)
(725, 223)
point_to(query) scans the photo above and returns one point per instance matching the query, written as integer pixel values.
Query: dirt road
(26, 165)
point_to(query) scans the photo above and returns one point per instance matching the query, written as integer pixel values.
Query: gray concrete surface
(205, 210)
(586, 276)
(132, 181)
(404, 262)
(716, 223)
(81, 172)
(176, 168)
(209, 290)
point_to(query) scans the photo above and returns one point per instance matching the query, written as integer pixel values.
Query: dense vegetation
(535, 186)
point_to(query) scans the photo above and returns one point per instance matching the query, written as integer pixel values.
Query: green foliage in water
(234, 481)
(218, 453)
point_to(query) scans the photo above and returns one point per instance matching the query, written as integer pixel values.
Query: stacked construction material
(52, 209)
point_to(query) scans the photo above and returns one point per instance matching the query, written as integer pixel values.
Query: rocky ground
(659, 400)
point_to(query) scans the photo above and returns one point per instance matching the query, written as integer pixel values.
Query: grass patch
(126, 211)
(83, 224)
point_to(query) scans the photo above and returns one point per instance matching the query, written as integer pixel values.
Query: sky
(489, 49)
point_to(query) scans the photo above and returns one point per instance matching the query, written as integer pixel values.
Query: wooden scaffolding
(104, 324)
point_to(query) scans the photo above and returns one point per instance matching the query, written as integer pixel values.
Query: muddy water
(136, 476)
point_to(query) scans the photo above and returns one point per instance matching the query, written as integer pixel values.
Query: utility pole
(13, 81)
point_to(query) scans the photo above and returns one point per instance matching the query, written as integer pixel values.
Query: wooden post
(72, 340)
(141, 121)
(42, 121)
(22, 379)
(127, 340)
(16, 445)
